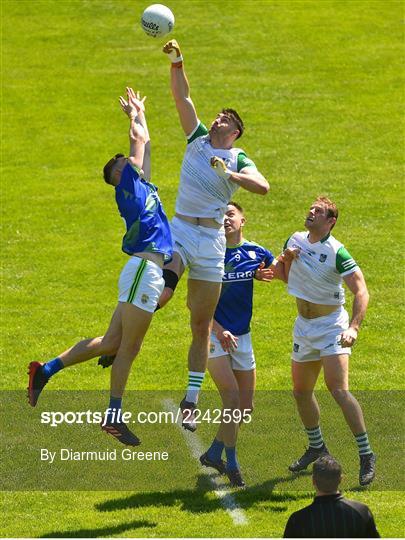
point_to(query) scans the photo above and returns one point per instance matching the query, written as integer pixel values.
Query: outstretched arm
(180, 88)
(136, 133)
(280, 267)
(358, 287)
(251, 179)
(139, 104)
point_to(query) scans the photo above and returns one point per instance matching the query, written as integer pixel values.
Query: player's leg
(39, 374)
(246, 381)
(202, 298)
(305, 368)
(135, 323)
(224, 379)
(244, 369)
(304, 376)
(236, 382)
(336, 373)
(172, 272)
(247, 384)
(140, 286)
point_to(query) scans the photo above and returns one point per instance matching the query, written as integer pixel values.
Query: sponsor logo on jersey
(296, 347)
(212, 348)
(252, 254)
(233, 276)
(322, 257)
(336, 295)
(144, 298)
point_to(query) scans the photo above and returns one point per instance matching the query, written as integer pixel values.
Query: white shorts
(202, 249)
(242, 358)
(314, 338)
(141, 283)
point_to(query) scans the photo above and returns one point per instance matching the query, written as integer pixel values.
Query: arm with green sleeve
(354, 279)
(247, 175)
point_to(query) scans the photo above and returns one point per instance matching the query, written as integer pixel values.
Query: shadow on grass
(197, 500)
(102, 531)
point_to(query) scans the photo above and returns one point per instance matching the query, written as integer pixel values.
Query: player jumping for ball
(148, 243)
(211, 172)
(323, 335)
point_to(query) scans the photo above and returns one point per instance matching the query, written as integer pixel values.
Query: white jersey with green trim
(202, 193)
(317, 274)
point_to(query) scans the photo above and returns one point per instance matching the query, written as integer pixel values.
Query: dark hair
(109, 166)
(236, 205)
(234, 116)
(327, 474)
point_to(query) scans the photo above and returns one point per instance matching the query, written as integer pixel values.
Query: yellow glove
(220, 168)
(172, 50)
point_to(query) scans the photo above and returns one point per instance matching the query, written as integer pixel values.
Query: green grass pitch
(319, 85)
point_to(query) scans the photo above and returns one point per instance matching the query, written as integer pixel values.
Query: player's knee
(110, 344)
(230, 398)
(302, 394)
(200, 329)
(339, 394)
(130, 350)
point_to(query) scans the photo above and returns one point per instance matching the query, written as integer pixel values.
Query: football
(157, 20)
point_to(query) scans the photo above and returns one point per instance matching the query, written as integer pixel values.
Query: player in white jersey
(211, 172)
(323, 334)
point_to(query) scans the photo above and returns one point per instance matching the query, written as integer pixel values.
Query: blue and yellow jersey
(146, 222)
(234, 309)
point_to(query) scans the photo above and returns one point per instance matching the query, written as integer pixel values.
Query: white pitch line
(224, 495)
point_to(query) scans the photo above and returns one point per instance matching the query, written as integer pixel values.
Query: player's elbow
(263, 188)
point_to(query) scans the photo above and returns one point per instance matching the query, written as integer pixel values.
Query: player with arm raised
(323, 334)
(148, 243)
(211, 172)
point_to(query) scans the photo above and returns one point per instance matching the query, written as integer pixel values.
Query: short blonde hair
(330, 205)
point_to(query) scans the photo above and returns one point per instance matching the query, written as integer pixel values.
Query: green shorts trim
(137, 280)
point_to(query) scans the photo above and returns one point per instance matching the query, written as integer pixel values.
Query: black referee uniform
(332, 516)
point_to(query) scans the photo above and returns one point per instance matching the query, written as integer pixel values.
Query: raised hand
(133, 105)
(135, 99)
(172, 49)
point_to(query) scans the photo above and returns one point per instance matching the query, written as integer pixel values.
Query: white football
(157, 20)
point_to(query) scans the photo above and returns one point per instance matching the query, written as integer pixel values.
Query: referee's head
(326, 474)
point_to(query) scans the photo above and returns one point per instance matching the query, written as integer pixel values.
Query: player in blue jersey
(231, 359)
(148, 243)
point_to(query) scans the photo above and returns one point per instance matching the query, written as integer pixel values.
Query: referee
(330, 515)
